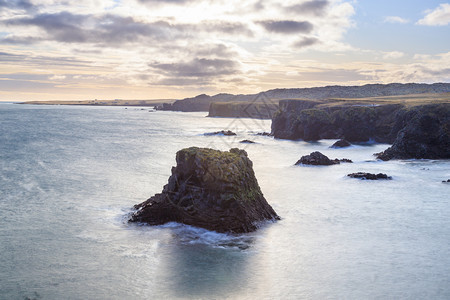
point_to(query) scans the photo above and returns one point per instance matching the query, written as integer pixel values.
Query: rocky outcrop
(318, 159)
(243, 110)
(310, 121)
(222, 132)
(247, 142)
(421, 131)
(424, 133)
(264, 133)
(211, 189)
(369, 176)
(341, 144)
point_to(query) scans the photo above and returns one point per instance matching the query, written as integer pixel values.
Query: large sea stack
(212, 189)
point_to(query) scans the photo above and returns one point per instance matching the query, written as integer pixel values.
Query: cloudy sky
(149, 49)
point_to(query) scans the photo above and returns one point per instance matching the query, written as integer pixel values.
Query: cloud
(315, 7)
(41, 60)
(197, 67)
(165, 1)
(306, 42)
(440, 16)
(16, 4)
(287, 26)
(107, 29)
(112, 29)
(393, 55)
(57, 77)
(395, 19)
(200, 46)
(232, 28)
(217, 50)
(424, 68)
(337, 75)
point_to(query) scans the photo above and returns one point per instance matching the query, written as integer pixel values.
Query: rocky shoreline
(421, 132)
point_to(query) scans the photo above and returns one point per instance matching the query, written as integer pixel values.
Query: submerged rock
(318, 159)
(369, 176)
(211, 189)
(222, 132)
(341, 144)
(264, 133)
(247, 142)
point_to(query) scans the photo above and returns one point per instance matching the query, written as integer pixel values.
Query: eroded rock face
(211, 189)
(307, 120)
(425, 134)
(318, 159)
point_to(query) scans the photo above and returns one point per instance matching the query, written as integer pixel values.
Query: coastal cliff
(271, 97)
(308, 120)
(197, 103)
(416, 131)
(212, 189)
(242, 110)
(424, 133)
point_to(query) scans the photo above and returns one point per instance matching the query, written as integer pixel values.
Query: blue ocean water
(69, 176)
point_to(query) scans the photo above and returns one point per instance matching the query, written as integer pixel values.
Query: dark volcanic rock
(425, 134)
(369, 176)
(247, 142)
(307, 120)
(344, 160)
(315, 158)
(243, 109)
(448, 180)
(211, 189)
(264, 133)
(318, 159)
(222, 132)
(341, 144)
(416, 132)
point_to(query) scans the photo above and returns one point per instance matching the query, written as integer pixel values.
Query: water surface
(70, 175)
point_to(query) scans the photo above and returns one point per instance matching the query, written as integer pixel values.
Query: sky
(161, 49)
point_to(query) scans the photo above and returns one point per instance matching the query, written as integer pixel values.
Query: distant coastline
(116, 102)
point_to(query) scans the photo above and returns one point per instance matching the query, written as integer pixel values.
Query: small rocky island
(222, 132)
(318, 159)
(369, 176)
(211, 189)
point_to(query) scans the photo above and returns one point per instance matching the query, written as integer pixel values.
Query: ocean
(70, 175)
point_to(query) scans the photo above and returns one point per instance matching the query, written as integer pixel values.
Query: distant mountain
(202, 102)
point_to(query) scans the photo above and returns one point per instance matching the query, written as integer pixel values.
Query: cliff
(211, 189)
(202, 102)
(424, 133)
(242, 110)
(198, 103)
(416, 130)
(310, 121)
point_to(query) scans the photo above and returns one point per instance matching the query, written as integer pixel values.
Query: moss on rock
(209, 188)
